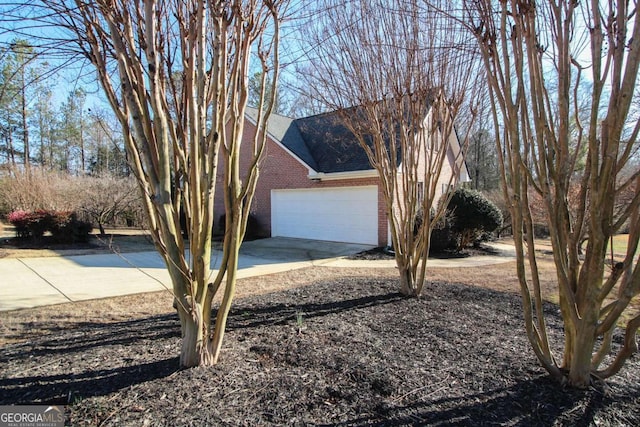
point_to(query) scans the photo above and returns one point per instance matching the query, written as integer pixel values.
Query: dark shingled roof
(333, 146)
(322, 141)
(284, 130)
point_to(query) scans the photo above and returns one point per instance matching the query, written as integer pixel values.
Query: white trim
(333, 176)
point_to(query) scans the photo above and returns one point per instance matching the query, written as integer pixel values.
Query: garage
(339, 214)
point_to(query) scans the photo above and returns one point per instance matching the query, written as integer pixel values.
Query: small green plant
(299, 321)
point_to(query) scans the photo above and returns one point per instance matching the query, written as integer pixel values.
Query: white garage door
(339, 214)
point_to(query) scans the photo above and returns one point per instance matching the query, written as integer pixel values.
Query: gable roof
(284, 131)
(333, 146)
(323, 142)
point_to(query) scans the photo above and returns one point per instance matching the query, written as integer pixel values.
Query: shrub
(473, 214)
(443, 236)
(65, 227)
(40, 221)
(104, 200)
(31, 224)
(254, 229)
(19, 219)
(109, 200)
(40, 189)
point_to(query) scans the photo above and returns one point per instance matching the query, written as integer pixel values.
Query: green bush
(473, 216)
(67, 228)
(443, 237)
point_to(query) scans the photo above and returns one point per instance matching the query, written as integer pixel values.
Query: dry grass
(502, 277)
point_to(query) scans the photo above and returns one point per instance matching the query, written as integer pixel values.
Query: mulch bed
(347, 352)
(384, 253)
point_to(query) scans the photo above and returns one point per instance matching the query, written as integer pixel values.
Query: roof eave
(334, 176)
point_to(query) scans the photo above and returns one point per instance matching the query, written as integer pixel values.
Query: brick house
(316, 182)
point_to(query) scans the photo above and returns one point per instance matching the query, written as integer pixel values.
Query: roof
(333, 146)
(323, 142)
(284, 130)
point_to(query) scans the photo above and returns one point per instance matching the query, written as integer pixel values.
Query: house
(316, 182)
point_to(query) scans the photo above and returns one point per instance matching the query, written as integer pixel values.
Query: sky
(65, 72)
(74, 72)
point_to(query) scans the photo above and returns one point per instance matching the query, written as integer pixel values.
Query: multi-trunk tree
(580, 164)
(400, 75)
(176, 75)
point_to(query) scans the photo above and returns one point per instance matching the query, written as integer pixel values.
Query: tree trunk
(12, 156)
(172, 142)
(550, 148)
(407, 282)
(223, 311)
(82, 158)
(25, 128)
(580, 356)
(196, 348)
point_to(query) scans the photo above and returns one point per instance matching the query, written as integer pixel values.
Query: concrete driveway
(33, 282)
(293, 250)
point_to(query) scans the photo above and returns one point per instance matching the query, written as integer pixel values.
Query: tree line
(72, 137)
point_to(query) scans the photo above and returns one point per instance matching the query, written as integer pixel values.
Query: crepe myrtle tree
(537, 55)
(400, 76)
(176, 75)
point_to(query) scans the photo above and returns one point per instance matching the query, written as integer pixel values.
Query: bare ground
(318, 346)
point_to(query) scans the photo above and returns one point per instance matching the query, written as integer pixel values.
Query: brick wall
(280, 170)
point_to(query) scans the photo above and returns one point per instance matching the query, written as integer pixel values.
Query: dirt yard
(318, 346)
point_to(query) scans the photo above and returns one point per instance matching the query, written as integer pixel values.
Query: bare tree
(105, 198)
(399, 75)
(537, 55)
(176, 76)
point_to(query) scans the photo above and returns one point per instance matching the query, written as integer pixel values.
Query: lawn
(121, 240)
(317, 346)
(620, 245)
